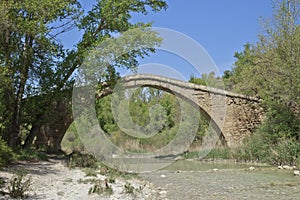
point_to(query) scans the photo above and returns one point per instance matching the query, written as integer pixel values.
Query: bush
(286, 152)
(31, 155)
(82, 160)
(281, 123)
(275, 141)
(256, 149)
(100, 189)
(18, 185)
(6, 153)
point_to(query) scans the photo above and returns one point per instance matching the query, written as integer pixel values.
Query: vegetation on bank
(268, 69)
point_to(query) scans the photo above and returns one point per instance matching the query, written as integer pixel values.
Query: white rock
(280, 167)
(178, 158)
(251, 168)
(163, 176)
(296, 172)
(215, 170)
(287, 167)
(162, 192)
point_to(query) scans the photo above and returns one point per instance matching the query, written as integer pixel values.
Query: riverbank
(53, 180)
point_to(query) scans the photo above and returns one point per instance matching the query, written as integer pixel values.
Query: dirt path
(53, 180)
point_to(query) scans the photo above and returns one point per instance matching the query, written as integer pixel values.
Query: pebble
(162, 193)
(163, 176)
(287, 167)
(215, 170)
(251, 168)
(296, 172)
(178, 158)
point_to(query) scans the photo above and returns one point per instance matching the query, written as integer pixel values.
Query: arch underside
(156, 83)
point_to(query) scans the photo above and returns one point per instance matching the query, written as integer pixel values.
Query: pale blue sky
(222, 27)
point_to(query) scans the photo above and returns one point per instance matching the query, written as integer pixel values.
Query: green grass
(31, 155)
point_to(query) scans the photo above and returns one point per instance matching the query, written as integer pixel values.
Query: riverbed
(224, 180)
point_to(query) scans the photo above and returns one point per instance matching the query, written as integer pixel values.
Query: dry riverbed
(182, 180)
(218, 180)
(52, 179)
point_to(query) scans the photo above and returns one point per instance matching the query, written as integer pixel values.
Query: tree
(29, 51)
(34, 62)
(209, 80)
(270, 68)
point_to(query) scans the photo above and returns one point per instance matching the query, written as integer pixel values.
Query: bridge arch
(233, 116)
(182, 90)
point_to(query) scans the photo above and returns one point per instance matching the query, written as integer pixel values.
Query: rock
(287, 167)
(178, 158)
(162, 192)
(280, 167)
(215, 170)
(163, 176)
(296, 173)
(251, 168)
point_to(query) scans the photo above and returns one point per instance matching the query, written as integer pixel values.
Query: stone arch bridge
(233, 116)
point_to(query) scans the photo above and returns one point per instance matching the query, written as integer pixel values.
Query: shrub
(18, 185)
(31, 155)
(286, 152)
(6, 153)
(99, 189)
(275, 141)
(129, 189)
(82, 160)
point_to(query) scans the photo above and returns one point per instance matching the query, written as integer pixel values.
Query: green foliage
(34, 62)
(19, 185)
(275, 141)
(129, 189)
(209, 80)
(6, 154)
(77, 159)
(269, 68)
(99, 189)
(222, 153)
(31, 155)
(259, 149)
(281, 122)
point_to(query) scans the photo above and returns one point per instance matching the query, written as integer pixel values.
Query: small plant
(82, 160)
(111, 180)
(18, 185)
(129, 189)
(2, 182)
(99, 189)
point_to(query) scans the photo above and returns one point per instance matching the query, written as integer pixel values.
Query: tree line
(34, 62)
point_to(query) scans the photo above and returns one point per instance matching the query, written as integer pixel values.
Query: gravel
(52, 180)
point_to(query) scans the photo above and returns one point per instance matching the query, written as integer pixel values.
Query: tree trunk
(26, 63)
